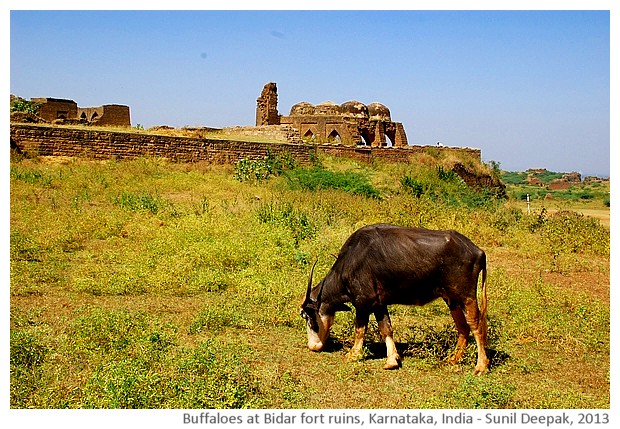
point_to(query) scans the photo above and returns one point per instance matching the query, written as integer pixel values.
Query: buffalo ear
(342, 307)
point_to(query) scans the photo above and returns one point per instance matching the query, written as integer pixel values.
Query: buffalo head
(318, 317)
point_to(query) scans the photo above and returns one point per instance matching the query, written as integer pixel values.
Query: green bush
(32, 177)
(413, 186)
(127, 382)
(262, 169)
(318, 178)
(21, 105)
(140, 202)
(297, 221)
(570, 232)
(27, 351)
(105, 331)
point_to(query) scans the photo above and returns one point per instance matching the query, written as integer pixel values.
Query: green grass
(145, 284)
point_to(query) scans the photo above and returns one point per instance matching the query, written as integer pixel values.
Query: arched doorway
(365, 139)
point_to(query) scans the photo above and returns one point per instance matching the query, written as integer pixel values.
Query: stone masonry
(351, 123)
(46, 140)
(58, 110)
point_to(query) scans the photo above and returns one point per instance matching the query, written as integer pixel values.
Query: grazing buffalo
(381, 265)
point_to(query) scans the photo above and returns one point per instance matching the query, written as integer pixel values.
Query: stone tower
(267, 106)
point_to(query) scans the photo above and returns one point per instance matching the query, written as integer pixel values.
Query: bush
(27, 356)
(139, 202)
(318, 178)
(448, 188)
(21, 105)
(26, 350)
(569, 232)
(412, 186)
(213, 377)
(262, 169)
(32, 177)
(297, 221)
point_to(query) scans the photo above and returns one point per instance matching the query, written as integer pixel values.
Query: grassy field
(145, 284)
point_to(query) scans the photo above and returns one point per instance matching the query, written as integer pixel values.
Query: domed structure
(302, 108)
(354, 109)
(351, 123)
(327, 108)
(379, 112)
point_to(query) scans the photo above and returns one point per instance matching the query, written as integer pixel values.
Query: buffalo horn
(310, 281)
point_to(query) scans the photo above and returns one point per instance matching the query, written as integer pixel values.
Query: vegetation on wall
(21, 105)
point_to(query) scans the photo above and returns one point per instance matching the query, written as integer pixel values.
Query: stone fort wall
(95, 144)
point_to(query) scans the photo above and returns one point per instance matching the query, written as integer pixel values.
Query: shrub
(262, 169)
(21, 105)
(27, 351)
(412, 186)
(32, 177)
(297, 221)
(27, 355)
(213, 377)
(108, 331)
(318, 178)
(139, 202)
(125, 383)
(571, 232)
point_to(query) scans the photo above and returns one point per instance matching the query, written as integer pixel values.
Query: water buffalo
(382, 264)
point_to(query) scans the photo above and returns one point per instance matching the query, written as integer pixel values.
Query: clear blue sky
(529, 88)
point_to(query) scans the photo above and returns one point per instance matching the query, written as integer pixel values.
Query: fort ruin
(59, 110)
(351, 123)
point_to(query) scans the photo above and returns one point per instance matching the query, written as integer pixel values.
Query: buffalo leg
(385, 327)
(463, 329)
(361, 323)
(472, 315)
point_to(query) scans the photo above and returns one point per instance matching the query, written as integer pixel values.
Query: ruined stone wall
(106, 115)
(390, 154)
(320, 128)
(268, 132)
(56, 108)
(61, 141)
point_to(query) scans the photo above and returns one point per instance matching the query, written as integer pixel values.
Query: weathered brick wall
(274, 132)
(57, 141)
(107, 115)
(62, 141)
(391, 153)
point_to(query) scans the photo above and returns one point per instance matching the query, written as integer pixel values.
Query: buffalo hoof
(480, 371)
(456, 356)
(392, 363)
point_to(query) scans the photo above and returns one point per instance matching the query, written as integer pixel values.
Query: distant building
(58, 109)
(351, 123)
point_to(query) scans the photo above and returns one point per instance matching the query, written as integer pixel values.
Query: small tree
(21, 105)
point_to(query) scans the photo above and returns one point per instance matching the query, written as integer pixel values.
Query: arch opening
(334, 137)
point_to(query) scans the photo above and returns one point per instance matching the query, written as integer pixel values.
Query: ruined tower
(267, 106)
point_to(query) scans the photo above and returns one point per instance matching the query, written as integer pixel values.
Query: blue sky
(531, 89)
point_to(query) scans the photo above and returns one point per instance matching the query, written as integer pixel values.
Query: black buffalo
(381, 265)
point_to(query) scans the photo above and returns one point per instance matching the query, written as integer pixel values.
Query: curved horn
(310, 281)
